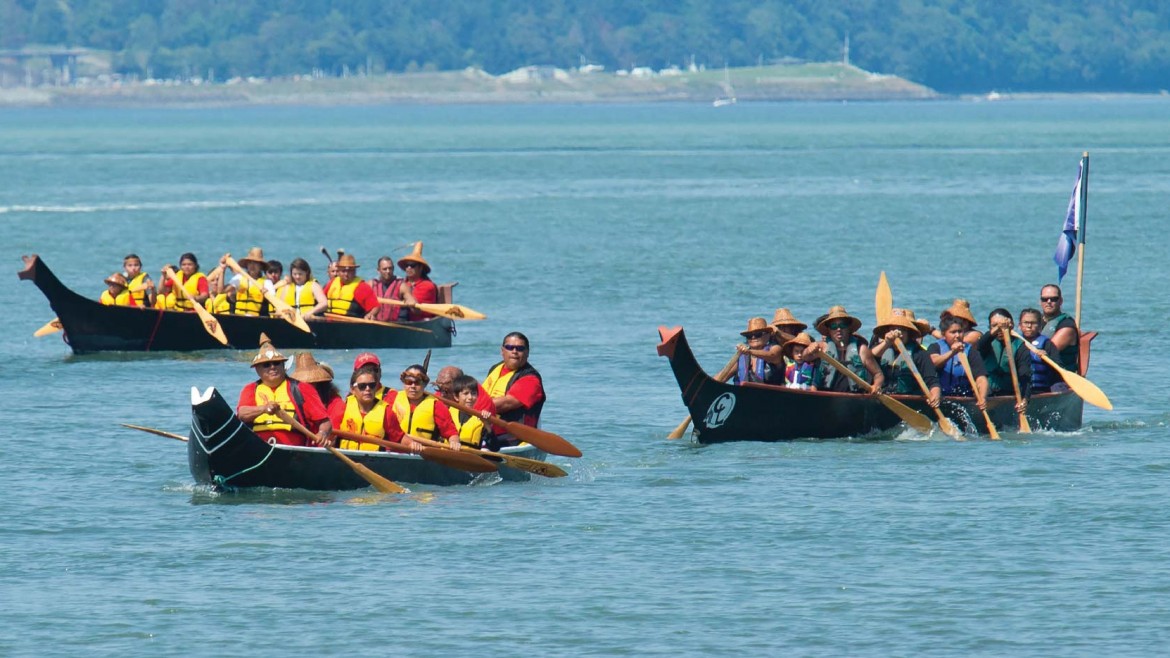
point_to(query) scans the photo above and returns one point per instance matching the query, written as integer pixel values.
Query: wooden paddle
(546, 441)
(944, 423)
(978, 396)
(883, 299)
(1087, 390)
(286, 312)
(463, 461)
(50, 327)
(393, 325)
(451, 311)
(724, 374)
(210, 324)
(911, 417)
(151, 430)
(377, 481)
(520, 463)
(1025, 428)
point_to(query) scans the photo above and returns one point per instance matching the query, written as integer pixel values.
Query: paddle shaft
(393, 325)
(210, 324)
(449, 458)
(520, 463)
(978, 395)
(910, 416)
(151, 430)
(944, 423)
(1011, 359)
(377, 481)
(546, 441)
(450, 311)
(722, 376)
(1087, 390)
(282, 309)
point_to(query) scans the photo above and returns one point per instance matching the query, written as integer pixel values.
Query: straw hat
(308, 370)
(899, 318)
(254, 254)
(415, 257)
(268, 353)
(924, 327)
(347, 260)
(961, 309)
(757, 324)
(116, 279)
(836, 313)
(801, 339)
(784, 318)
(366, 358)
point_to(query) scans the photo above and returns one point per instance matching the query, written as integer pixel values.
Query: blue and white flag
(1066, 246)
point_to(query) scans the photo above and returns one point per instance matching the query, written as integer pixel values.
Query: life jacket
(497, 385)
(762, 372)
(387, 312)
(834, 380)
(952, 377)
(371, 424)
(999, 374)
(191, 287)
(123, 298)
(803, 375)
(470, 426)
(220, 303)
(165, 301)
(249, 298)
(132, 284)
(287, 396)
(1069, 356)
(299, 298)
(1043, 376)
(341, 298)
(419, 421)
(899, 377)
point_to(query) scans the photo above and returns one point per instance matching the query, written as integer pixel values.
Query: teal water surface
(587, 228)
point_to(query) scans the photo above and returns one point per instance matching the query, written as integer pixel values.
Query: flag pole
(1084, 208)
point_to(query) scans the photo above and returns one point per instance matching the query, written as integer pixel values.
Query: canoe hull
(224, 453)
(92, 327)
(760, 412)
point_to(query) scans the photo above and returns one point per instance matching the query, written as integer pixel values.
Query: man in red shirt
(261, 399)
(386, 286)
(349, 295)
(515, 387)
(418, 287)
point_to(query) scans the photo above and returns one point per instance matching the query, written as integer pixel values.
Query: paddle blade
(376, 481)
(991, 427)
(948, 427)
(678, 432)
(530, 465)
(909, 416)
(50, 327)
(459, 460)
(546, 441)
(883, 299)
(1088, 391)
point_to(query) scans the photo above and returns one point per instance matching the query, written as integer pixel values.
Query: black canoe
(92, 327)
(224, 453)
(763, 412)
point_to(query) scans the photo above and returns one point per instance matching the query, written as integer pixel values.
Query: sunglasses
(756, 334)
(366, 386)
(410, 265)
(838, 325)
(1050, 299)
(515, 348)
(413, 381)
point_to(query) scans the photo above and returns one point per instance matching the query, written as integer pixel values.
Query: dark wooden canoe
(91, 327)
(224, 453)
(762, 412)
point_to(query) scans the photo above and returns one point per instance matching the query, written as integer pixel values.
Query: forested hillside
(950, 45)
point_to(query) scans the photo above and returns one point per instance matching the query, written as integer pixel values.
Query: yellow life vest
(419, 421)
(370, 424)
(133, 284)
(303, 302)
(123, 298)
(218, 304)
(191, 287)
(165, 302)
(471, 431)
(495, 384)
(264, 395)
(249, 298)
(341, 296)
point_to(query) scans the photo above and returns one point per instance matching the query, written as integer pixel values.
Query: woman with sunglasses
(365, 413)
(760, 360)
(848, 348)
(418, 287)
(420, 413)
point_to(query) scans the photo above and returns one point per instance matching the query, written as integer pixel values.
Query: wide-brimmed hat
(784, 318)
(347, 260)
(899, 318)
(254, 254)
(366, 358)
(116, 279)
(924, 327)
(308, 370)
(757, 324)
(415, 257)
(961, 309)
(836, 313)
(801, 339)
(268, 352)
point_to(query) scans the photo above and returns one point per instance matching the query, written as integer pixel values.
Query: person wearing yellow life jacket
(195, 285)
(302, 292)
(516, 388)
(471, 427)
(138, 281)
(364, 413)
(117, 294)
(260, 400)
(320, 375)
(419, 413)
(349, 295)
(249, 296)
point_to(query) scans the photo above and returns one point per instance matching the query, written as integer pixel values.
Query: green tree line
(950, 45)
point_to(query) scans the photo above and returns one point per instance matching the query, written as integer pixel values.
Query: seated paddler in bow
(419, 413)
(804, 371)
(349, 295)
(851, 350)
(952, 375)
(196, 288)
(760, 360)
(995, 359)
(365, 413)
(900, 327)
(260, 400)
(117, 293)
(310, 371)
(418, 287)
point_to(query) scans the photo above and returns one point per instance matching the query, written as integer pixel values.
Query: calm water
(586, 228)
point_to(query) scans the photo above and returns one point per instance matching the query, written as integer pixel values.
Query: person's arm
(1065, 335)
(202, 291)
(1024, 371)
(317, 311)
(445, 425)
(871, 365)
(525, 392)
(879, 348)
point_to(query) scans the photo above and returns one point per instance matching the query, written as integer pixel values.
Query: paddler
(516, 389)
(1060, 328)
(249, 297)
(302, 292)
(899, 378)
(850, 349)
(787, 327)
(309, 371)
(960, 309)
(806, 372)
(420, 413)
(418, 287)
(387, 286)
(995, 359)
(365, 413)
(260, 400)
(138, 281)
(349, 295)
(117, 293)
(952, 375)
(760, 359)
(471, 427)
(194, 284)
(1044, 377)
